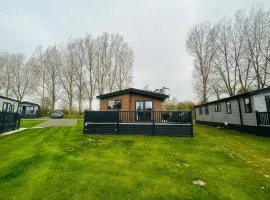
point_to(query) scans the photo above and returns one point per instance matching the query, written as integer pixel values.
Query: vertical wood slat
(9, 121)
(263, 118)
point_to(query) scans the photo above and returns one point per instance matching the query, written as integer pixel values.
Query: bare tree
(240, 59)
(22, 82)
(37, 61)
(7, 62)
(79, 58)
(258, 44)
(67, 72)
(51, 65)
(80, 68)
(223, 60)
(102, 70)
(124, 70)
(91, 84)
(201, 45)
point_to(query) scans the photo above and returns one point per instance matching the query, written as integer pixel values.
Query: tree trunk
(90, 103)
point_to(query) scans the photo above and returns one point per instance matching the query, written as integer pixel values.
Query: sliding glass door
(143, 111)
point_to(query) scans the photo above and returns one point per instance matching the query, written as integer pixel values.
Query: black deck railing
(164, 117)
(9, 121)
(177, 123)
(263, 118)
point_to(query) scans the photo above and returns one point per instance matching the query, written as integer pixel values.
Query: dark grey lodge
(29, 110)
(248, 112)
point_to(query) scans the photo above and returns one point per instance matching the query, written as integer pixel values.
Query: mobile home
(247, 112)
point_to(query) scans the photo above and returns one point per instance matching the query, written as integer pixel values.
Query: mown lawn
(29, 123)
(62, 163)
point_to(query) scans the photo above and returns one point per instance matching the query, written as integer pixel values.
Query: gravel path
(58, 122)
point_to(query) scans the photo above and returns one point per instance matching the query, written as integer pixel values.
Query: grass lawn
(29, 123)
(62, 163)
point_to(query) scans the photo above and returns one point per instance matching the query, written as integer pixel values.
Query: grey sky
(156, 31)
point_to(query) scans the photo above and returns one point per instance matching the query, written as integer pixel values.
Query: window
(144, 105)
(200, 110)
(12, 108)
(6, 107)
(228, 107)
(114, 104)
(217, 107)
(148, 105)
(206, 110)
(31, 109)
(248, 108)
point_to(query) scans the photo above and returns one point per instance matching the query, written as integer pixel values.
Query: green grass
(29, 123)
(62, 163)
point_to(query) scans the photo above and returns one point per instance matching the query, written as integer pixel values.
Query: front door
(143, 111)
(23, 109)
(267, 101)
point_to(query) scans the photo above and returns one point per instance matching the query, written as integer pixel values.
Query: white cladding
(9, 101)
(259, 102)
(248, 118)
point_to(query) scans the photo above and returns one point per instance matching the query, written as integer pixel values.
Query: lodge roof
(134, 91)
(27, 102)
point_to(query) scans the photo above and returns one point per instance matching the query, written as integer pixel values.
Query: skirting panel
(181, 130)
(254, 130)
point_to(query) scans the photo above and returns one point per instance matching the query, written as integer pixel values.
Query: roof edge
(133, 90)
(267, 89)
(9, 98)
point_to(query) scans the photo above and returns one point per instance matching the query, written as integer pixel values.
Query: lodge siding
(129, 102)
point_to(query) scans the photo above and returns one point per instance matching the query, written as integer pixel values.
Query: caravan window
(206, 110)
(217, 107)
(228, 107)
(6, 107)
(200, 110)
(248, 108)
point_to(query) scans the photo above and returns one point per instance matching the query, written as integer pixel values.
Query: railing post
(191, 122)
(153, 123)
(84, 121)
(118, 119)
(258, 118)
(19, 121)
(3, 122)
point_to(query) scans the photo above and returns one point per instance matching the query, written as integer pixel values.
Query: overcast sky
(156, 31)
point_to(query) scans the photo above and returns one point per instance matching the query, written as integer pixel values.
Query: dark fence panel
(9, 121)
(101, 116)
(35, 114)
(263, 118)
(172, 123)
(29, 116)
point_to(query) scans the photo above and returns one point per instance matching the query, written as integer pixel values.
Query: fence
(263, 118)
(29, 116)
(9, 121)
(173, 123)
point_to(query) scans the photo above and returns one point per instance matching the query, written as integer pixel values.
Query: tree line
(232, 55)
(74, 71)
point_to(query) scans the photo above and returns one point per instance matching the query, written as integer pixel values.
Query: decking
(169, 123)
